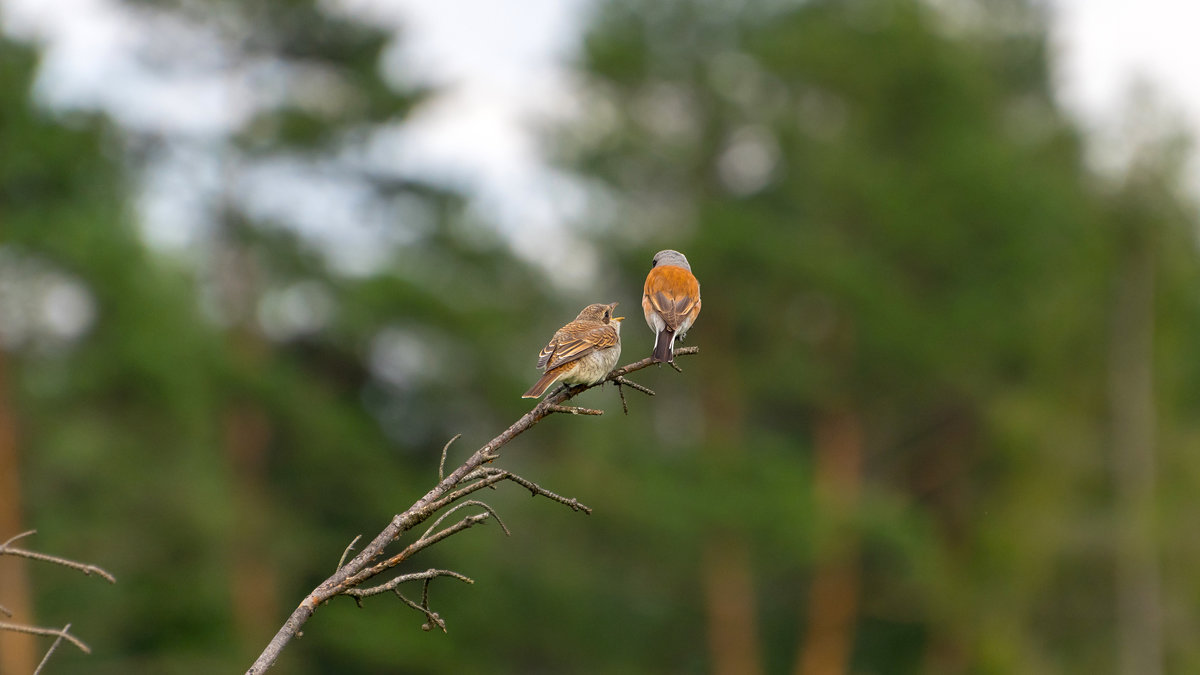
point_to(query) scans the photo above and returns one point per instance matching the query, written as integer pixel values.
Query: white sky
(1106, 47)
(502, 67)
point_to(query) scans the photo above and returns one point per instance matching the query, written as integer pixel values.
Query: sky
(503, 72)
(1110, 49)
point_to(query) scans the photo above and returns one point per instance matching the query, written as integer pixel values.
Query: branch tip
(622, 380)
(15, 537)
(346, 552)
(37, 630)
(442, 464)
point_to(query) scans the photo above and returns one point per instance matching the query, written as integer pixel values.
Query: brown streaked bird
(671, 301)
(581, 352)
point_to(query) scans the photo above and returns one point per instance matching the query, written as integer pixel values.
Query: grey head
(670, 257)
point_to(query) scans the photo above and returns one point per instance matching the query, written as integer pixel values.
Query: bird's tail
(664, 347)
(542, 385)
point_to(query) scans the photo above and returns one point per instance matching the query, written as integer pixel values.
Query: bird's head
(602, 313)
(670, 257)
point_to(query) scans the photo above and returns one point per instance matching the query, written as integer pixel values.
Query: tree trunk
(254, 587)
(18, 652)
(254, 580)
(828, 640)
(1131, 401)
(729, 603)
(727, 571)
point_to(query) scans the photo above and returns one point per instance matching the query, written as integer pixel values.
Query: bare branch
(536, 490)
(424, 542)
(573, 410)
(472, 502)
(57, 641)
(491, 479)
(435, 619)
(6, 549)
(450, 488)
(63, 633)
(621, 380)
(489, 476)
(37, 630)
(644, 363)
(403, 578)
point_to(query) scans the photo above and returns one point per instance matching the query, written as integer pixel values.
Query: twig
(489, 479)
(489, 476)
(645, 363)
(442, 464)
(573, 410)
(448, 489)
(472, 502)
(424, 542)
(60, 634)
(89, 570)
(57, 641)
(435, 619)
(350, 547)
(15, 537)
(37, 630)
(358, 593)
(621, 380)
(536, 490)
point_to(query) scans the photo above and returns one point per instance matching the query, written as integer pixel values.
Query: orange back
(672, 292)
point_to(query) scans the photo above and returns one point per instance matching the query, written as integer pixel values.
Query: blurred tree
(1153, 304)
(905, 266)
(890, 456)
(54, 187)
(220, 421)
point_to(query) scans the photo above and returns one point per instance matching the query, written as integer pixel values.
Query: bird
(671, 301)
(581, 352)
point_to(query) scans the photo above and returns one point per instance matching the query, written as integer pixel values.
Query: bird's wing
(547, 352)
(574, 342)
(673, 292)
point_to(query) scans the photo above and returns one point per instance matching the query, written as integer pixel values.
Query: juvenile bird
(581, 352)
(671, 301)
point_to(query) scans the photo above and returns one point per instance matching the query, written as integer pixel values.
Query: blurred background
(260, 260)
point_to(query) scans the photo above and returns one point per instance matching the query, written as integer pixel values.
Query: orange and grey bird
(671, 301)
(581, 352)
